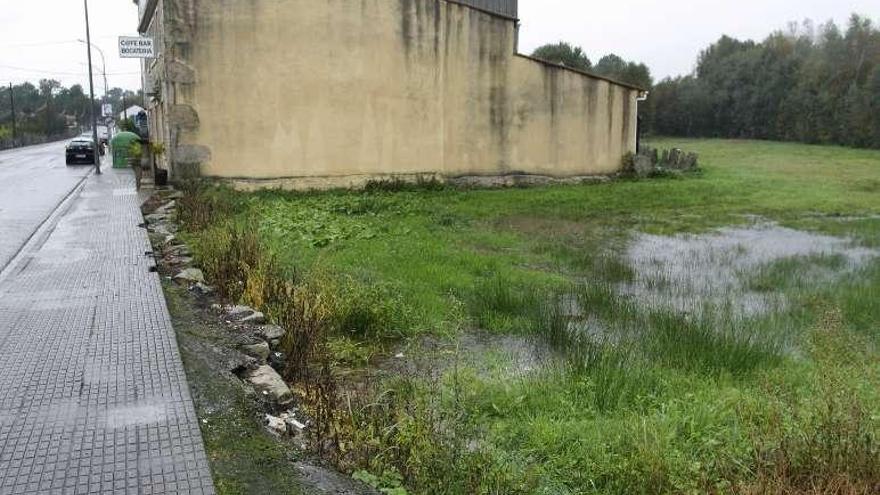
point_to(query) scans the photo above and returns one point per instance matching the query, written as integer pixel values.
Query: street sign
(106, 110)
(136, 47)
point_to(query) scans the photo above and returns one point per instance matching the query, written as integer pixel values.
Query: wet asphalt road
(33, 182)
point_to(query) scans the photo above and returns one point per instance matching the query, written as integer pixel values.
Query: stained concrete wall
(317, 94)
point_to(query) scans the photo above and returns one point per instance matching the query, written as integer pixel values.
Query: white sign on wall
(106, 110)
(136, 47)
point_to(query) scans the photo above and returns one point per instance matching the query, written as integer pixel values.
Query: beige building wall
(322, 93)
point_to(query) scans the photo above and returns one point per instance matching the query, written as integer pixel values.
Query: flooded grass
(744, 269)
(710, 334)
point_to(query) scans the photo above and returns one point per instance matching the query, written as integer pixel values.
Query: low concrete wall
(337, 90)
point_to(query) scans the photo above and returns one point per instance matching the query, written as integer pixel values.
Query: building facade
(333, 93)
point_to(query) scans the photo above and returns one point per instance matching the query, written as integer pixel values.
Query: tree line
(48, 111)
(809, 84)
(611, 65)
(812, 84)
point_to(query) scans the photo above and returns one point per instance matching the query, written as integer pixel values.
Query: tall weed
(234, 259)
(203, 205)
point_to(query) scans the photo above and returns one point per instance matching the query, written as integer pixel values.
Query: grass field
(711, 333)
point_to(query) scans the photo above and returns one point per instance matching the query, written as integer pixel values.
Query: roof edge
(582, 72)
(485, 11)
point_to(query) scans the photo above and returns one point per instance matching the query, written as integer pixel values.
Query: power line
(63, 73)
(36, 44)
(38, 71)
(50, 43)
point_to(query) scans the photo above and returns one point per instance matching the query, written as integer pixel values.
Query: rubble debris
(201, 289)
(276, 425)
(259, 350)
(277, 360)
(268, 382)
(193, 275)
(271, 332)
(285, 423)
(256, 318)
(650, 161)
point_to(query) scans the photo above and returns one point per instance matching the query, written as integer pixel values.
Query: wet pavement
(93, 396)
(33, 181)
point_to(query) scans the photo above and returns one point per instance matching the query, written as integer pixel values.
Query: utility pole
(12, 104)
(49, 114)
(92, 91)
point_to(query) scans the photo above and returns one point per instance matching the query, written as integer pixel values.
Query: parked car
(80, 150)
(103, 144)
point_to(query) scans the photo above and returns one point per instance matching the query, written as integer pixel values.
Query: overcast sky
(38, 37)
(669, 34)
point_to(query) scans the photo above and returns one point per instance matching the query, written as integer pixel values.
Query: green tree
(610, 64)
(49, 110)
(816, 85)
(564, 54)
(615, 67)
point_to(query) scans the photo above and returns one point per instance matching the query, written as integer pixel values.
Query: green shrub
(231, 256)
(368, 310)
(204, 205)
(406, 430)
(422, 183)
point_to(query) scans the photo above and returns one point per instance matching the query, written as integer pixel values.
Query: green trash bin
(120, 145)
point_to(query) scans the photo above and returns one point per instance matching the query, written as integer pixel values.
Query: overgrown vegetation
(626, 396)
(244, 457)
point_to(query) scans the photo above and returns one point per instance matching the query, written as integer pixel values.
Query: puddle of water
(50, 299)
(135, 415)
(159, 460)
(595, 330)
(509, 355)
(81, 301)
(95, 373)
(60, 412)
(62, 256)
(847, 218)
(692, 273)
(490, 355)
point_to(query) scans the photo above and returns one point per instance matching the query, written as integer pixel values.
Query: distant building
(130, 112)
(305, 93)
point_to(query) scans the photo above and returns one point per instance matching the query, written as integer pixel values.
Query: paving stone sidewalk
(93, 397)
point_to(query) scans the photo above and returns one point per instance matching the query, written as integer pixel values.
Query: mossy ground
(244, 457)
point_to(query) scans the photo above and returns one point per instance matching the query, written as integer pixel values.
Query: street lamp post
(103, 66)
(92, 91)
